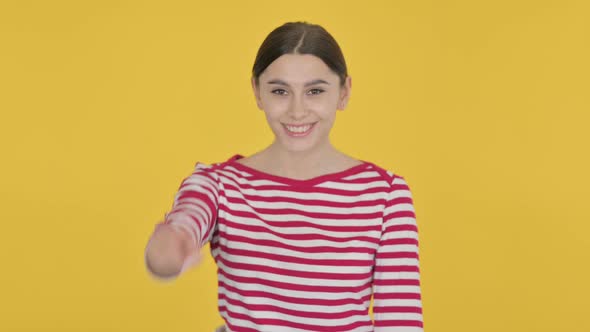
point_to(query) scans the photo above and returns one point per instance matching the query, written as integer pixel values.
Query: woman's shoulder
(201, 164)
(348, 161)
(385, 173)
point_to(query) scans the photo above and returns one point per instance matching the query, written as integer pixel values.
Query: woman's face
(300, 95)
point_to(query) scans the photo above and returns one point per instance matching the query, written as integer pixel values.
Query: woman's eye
(316, 91)
(279, 92)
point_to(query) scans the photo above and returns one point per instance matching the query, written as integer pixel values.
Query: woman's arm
(176, 242)
(167, 250)
(397, 300)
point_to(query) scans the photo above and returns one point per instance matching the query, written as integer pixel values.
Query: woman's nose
(297, 110)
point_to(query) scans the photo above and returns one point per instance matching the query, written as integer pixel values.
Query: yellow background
(107, 105)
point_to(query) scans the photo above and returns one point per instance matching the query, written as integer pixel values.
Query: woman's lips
(299, 130)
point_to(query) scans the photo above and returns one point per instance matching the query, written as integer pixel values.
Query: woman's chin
(300, 146)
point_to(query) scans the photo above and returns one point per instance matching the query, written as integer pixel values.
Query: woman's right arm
(176, 242)
(168, 250)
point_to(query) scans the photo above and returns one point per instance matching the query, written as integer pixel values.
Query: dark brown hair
(300, 38)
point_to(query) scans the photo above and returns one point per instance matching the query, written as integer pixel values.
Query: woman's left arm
(397, 301)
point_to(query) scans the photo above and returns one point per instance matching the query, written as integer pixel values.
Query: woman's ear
(256, 91)
(345, 93)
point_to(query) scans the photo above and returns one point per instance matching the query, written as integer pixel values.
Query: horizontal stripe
(288, 299)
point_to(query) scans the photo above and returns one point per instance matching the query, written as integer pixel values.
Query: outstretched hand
(171, 251)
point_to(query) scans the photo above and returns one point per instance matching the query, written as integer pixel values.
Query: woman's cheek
(275, 106)
(274, 113)
(323, 102)
(273, 117)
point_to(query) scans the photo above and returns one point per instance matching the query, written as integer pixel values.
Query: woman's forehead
(298, 69)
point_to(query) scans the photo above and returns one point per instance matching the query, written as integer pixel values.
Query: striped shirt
(306, 255)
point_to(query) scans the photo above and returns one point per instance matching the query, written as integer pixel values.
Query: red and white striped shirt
(306, 255)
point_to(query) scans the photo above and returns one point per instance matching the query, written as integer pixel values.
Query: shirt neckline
(290, 181)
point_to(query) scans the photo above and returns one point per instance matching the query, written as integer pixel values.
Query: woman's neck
(300, 165)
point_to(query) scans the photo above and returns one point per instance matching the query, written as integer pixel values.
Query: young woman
(303, 235)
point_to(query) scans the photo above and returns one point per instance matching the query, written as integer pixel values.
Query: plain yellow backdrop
(483, 106)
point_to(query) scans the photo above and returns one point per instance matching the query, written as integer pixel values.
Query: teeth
(298, 130)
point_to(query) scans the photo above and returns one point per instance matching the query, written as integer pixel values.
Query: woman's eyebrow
(281, 82)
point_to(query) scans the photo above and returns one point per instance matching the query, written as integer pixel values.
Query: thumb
(193, 259)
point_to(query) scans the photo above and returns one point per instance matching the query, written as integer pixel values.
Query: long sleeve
(397, 303)
(195, 204)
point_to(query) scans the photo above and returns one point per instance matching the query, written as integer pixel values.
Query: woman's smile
(299, 130)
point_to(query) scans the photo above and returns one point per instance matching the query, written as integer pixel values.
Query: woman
(303, 234)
